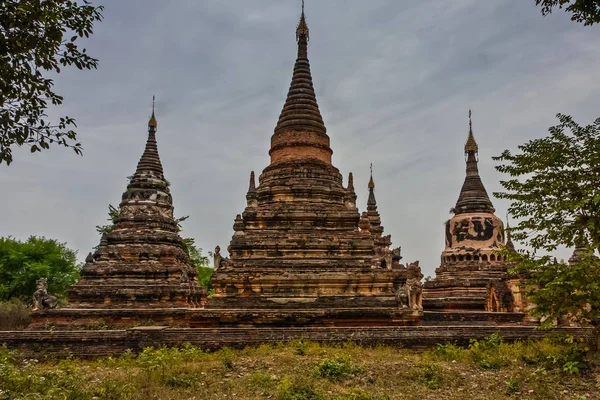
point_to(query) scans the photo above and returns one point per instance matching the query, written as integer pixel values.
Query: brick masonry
(90, 344)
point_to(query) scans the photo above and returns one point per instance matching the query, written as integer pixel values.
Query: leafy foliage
(34, 40)
(336, 369)
(558, 289)
(113, 215)
(296, 390)
(555, 186)
(555, 193)
(540, 370)
(22, 263)
(586, 11)
(429, 375)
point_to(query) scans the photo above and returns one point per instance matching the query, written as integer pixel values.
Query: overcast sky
(394, 82)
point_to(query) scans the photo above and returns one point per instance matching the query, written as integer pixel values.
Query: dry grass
(14, 315)
(303, 371)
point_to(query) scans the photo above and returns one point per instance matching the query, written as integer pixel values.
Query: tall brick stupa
(301, 243)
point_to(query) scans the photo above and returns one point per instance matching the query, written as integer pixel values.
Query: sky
(394, 82)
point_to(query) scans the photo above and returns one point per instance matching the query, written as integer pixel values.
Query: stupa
(140, 270)
(472, 275)
(301, 247)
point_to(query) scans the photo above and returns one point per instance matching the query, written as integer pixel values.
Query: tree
(555, 194)
(586, 11)
(113, 214)
(22, 263)
(200, 262)
(34, 41)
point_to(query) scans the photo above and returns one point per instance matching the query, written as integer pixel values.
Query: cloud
(394, 81)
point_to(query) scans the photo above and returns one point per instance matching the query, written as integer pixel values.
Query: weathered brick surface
(140, 263)
(472, 275)
(299, 244)
(103, 343)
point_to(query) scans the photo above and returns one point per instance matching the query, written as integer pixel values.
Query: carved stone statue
(396, 254)
(220, 261)
(89, 258)
(410, 295)
(41, 298)
(185, 278)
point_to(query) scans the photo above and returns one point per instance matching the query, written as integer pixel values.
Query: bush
(487, 353)
(448, 352)
(182, 380)
(14, 315)
(512, 385)
(297, 390)
(359, 394)
(261, 379)
(429, 375)
(300, 347)
(561, 354)
(336, 369)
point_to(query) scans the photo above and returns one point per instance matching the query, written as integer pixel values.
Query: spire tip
(302, 28)
(152, 123)
(471, 144)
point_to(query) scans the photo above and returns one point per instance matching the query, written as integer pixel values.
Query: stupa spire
(150, 160)
(300, 131)
(581, 249)
(473, 196)
(152, 122)
(251, 195)
(302, 28)
(471, 144)
(371, 202)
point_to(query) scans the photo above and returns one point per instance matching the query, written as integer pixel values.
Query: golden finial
(471, 144)
(371, 182)
(152, 122)
(302, 28)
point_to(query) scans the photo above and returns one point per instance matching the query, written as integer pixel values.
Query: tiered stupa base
(340, 298)
(471, 285)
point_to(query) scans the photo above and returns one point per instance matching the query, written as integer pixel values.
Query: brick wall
(89, 344)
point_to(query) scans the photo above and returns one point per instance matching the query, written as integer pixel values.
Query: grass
(488, 369)
(14, 315)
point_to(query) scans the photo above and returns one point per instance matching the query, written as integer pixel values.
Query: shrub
(359, 394)
(158, 359)
(300, 347)
(550, 353)
(429, 375)
(336, 369)
(14, 315)
(261, 379)
(226, 355)
(512, 385)
(448, 352)
(487, 353)
(182, 380)
(297, 390)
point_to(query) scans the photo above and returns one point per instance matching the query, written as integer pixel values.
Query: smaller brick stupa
(140, 270)
(472, 275)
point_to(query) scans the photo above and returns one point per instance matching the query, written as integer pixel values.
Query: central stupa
(301, 243)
